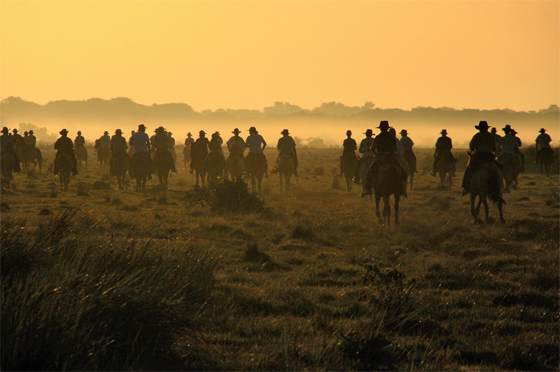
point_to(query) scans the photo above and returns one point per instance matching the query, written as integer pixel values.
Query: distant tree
(315, 143)
(282, 108)
(41, 133)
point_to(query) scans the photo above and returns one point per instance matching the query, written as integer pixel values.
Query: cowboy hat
(14, 130)
(542, 130)
(253, 129)
(444, 131)
(141, 126)
(189, 134)
(512, 131)
(383, 125)
(105, 132)
(507, 128)
(285, 131)
(118, 131)
(236, 131)
(31, 131)
(403, 131)
(63, 132)
(5, 130)
(482, 125)
(202, 132)
(368, 132)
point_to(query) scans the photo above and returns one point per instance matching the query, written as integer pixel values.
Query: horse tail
(494, 189)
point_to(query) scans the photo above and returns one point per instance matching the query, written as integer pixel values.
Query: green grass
(219, 278)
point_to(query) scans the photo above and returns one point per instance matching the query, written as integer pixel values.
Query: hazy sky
(249, 54)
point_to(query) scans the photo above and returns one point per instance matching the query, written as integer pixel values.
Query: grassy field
(305, 280)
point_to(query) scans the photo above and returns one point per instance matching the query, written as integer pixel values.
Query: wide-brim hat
(5, 130)
(31, 131)
(217, 133)
(368, 132)
(253, 129)
(64, 131)
(285, 131)
(160, 129)
(202, 132)
(141, 126)
(236, 131)
(14, 130)
(512, 131)
(118, 131)
(507, 128)
(106, 132)
(384, 124)
(444, 131)
(542, 130)
(403, 131)
(482, 125)
(189, 134)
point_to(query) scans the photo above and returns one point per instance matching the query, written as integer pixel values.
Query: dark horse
(235, 165)
(545, 157)
(103, 155)
(486, 184)
(387, 181)
(512, 165)
(410, 160)
(364, 166)
(348, 164)
(163, 162)
(32, 155)
(119, 165)
(286, 168)
(446, 169)
(64, 165)
(255, 164)
(81, 155)
(140, 168)
(7, 164)
(215, 163)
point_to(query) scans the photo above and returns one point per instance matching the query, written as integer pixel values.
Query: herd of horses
(487, 182)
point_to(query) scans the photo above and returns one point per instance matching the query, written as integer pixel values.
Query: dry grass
(310, 280)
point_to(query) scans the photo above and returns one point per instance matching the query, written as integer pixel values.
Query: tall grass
(88, 304)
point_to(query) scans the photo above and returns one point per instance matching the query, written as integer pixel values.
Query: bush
(77, 304)
(226, 195)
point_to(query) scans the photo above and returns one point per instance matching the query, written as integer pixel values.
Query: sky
(250, 54)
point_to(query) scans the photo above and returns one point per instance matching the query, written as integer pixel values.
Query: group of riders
(486, 147)
(17, 149)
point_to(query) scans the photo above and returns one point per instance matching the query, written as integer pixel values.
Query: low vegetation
(219, 278)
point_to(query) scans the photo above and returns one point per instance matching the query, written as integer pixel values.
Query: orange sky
(249, 54)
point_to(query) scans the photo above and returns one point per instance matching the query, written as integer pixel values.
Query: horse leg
(377, 200)
(474, 211)
(486, 208)
(386, 210)
(501, 213)
(260, 184)
(280, 182)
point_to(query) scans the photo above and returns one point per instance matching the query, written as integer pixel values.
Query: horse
(215, 164)
(186, 156)
(81, 155)
(545, 157)
(510, 171)
(446, 169)
(163, 162)
(7, 164)
(348, 164)
(486, 184)
(286, 168)
(255, 164)
(410, 160)
(364, 166)
(103, 155)
(119, 165)
(235, 165)
(64, 165)
(387, 181)
(140, 168)
(32, 155)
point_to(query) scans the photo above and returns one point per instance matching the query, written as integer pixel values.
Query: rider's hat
(507, 128)
(236, 131)
(403, 131)
(14, 130)
(253, 130)
(202, 132)
(482, 125)
(512, 131)
(444, 131)
(285, 131)
(63, 132)
(368, 132)
(141, 126)
(105, 132)
(118, 131)
(5, 130)
(493, 130)
(542, 130)
(217, 133)
(189, 134)
(383, 125)
(31, 131)
(160, 130)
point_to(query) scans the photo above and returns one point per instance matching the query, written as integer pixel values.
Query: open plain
(97, 279)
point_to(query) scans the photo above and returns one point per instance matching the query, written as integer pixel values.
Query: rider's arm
(264, 144)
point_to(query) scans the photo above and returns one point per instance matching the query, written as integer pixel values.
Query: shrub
(226, 195)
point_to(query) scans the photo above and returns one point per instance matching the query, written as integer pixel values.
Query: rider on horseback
(118, 150)
(8, 150)
(199, 149)
(254, 142)
(287, 145)
(236, 145)
(65, 145)
(162, 143)
(543, 144)
(484, 146)
(31, 140)
(385, 148)
(365, 149)
(348, 147)
(408, 155)
(443, 149)
(141, 143)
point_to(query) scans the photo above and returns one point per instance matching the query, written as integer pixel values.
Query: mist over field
(323, 126)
